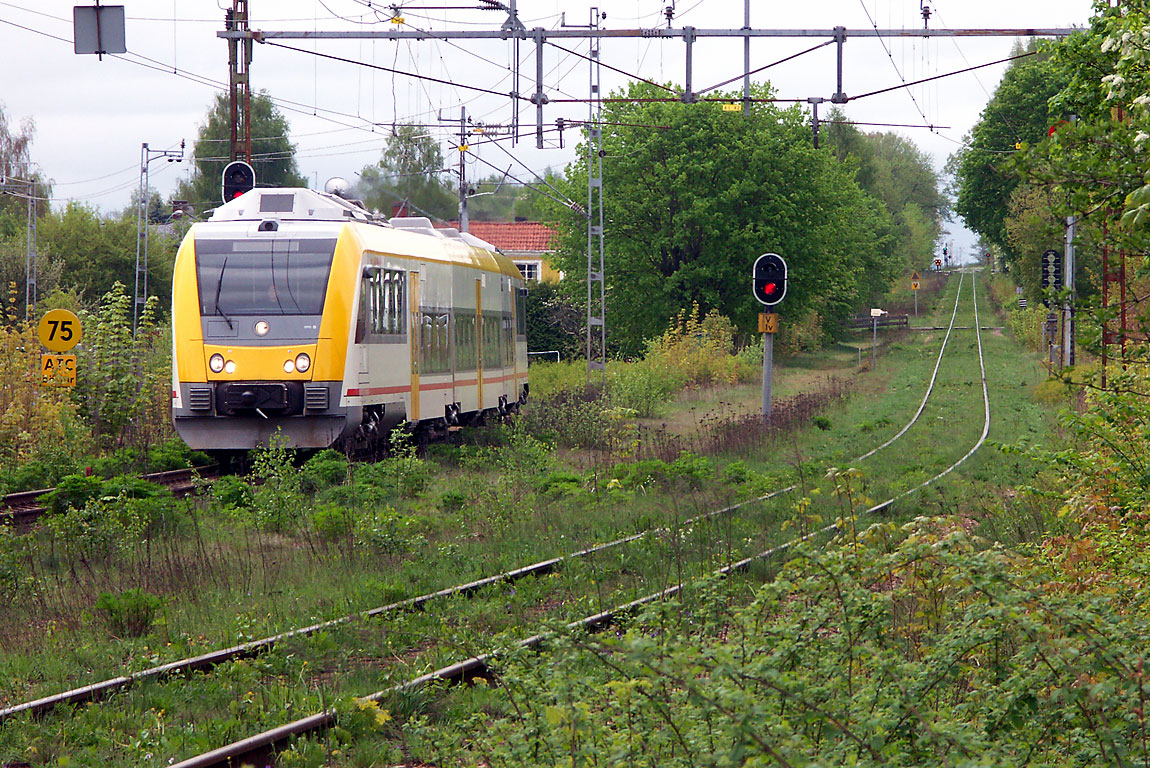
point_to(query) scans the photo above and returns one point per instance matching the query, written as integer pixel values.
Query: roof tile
(513, 235)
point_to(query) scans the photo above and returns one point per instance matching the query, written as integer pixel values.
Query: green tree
(95, 252)
(895, 171)
(273, 154)
(690, 204)
(410, 171)
(1018, 113)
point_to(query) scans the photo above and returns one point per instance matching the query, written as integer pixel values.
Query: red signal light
(769, 289)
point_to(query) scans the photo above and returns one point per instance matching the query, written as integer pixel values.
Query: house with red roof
(527, 243)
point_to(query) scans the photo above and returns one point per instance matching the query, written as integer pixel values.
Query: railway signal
(238, 177)
(1051, 274)
(770, 279)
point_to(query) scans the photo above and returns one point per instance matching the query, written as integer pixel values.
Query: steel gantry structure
(515, 31)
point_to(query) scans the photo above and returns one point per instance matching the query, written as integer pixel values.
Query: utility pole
(26, 188)
(814, 101)
(747, 58)
(30, 255)
(239, 82)
(596, 320)
(1068, 305)
(463, 220)
(140, 293)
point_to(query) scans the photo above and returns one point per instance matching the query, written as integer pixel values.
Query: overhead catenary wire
(897, 71)
(945, 74)
(812, 49)
(414, 75)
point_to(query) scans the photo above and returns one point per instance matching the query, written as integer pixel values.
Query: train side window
(395, 303)
(363, 316)
(521, 311)
(465, 342)
(508, 343)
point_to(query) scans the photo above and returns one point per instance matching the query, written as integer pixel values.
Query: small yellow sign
(59, 330)
(768, 322)
(914, 285)
(732, 107)
(914, 275)
(58, 370)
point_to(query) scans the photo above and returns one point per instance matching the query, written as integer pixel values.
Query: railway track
(24, 508)
(206, 661)
(211, 659)
(262, 746)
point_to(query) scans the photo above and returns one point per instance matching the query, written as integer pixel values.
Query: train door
(416, 327)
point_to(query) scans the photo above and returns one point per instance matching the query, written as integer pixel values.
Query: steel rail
(985, 421)
(21, 509)
(96, 691)
(261, 743)
(933, 376)
(208, 660)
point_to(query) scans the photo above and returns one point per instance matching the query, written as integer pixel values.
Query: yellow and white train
(298, 312)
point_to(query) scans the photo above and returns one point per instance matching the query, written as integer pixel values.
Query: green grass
(232, 574)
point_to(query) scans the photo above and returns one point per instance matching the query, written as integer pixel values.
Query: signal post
(769, 276)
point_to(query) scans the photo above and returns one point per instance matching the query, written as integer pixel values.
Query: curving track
(260, 745)
(254, 745)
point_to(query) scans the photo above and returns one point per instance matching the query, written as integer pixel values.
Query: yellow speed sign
(59, 330)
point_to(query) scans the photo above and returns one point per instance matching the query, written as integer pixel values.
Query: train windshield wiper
(219, 286)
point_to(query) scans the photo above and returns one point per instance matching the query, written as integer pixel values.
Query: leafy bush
(452, 501)
(561, 483)
(688, 468)
(130, 613)
(643, 387)
(73, 491)
(388, 532)
(132, 487)
(174, 453)
(913, 646)
(332, 522)
(232, 492)
(278, 503)
(698, 351)
(325, 469)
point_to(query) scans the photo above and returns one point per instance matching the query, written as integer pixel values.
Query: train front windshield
(263, 277)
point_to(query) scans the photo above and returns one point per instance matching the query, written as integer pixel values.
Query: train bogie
(298, 314)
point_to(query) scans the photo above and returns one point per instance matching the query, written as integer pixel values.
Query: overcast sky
(91, 116)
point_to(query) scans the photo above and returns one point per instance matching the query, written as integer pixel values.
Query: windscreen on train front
(263, 277)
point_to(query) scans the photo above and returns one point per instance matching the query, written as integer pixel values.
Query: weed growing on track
(914, 645)
(327, 538)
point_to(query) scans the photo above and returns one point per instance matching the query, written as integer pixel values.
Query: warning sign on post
(59, 330)
(58, 370)
(914, 285)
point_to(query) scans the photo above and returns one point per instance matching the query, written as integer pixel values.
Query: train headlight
(289, 366)
(216, 362)
(262, 328)
(230, 366)
(302, 362)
